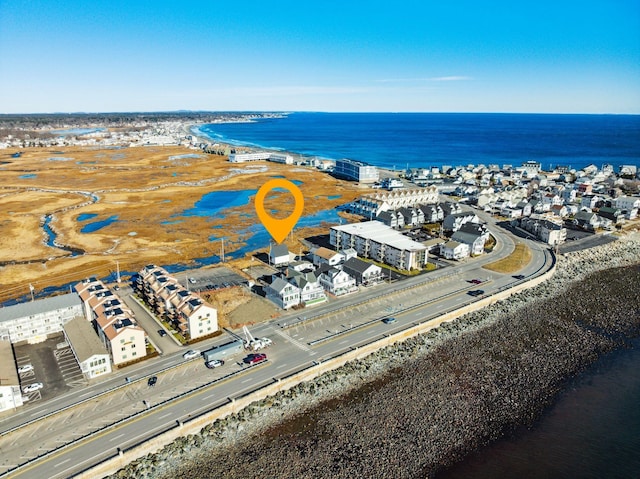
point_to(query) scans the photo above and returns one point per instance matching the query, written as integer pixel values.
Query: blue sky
(459, 56)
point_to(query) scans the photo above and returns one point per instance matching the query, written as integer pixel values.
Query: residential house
(559, 210)
(589, 201)
(454, 221)
(391, 218)
(310, 289)
(412, 216)
(283, 293)
(363, 272)
(614, 215)
(474, 241)
(432, 213)
(278, 255)
(454, 250)
(626, 203)
(324, 255)
(545, 230)
(586, 220)
(337, 282)
(10, 393)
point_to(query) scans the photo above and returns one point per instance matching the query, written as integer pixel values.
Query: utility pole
(32, 289)
(118, 271)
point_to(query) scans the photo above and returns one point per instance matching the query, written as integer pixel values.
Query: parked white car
(32, 387)
(191, 354)
(25, 369)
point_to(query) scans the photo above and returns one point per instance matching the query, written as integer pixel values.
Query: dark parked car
(152, 381)
(476, 292)
(389, 320)
(519, 276)
(162, 333)
(255, 358)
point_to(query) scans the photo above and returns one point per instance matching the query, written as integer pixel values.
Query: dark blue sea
(395, 140)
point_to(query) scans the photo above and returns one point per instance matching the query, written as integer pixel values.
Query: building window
(124, 348)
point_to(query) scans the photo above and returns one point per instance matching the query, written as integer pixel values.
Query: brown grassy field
(517, 260)
(147, 189)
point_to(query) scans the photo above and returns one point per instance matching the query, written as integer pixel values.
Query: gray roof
(8, 371)
(40, 306)
(464, 237)
(357, 265)
(84, 340)
(278, 284)
(279, 250)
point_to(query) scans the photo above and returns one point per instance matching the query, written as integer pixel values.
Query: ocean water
(395, 140)
(592, 431)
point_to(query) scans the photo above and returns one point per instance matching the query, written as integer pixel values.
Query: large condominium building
(113, 321)
(356, 170)
(372, 205)
(171, 301)
(34, 320)
(373, 239)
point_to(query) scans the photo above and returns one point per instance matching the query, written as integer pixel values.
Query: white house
(283, 293)
(474, 241)
(324, 255)
(363, 272)
(10, 393)
(627, 203)
(454, 250)
(278, 255)
(337, 282)
(311, 291)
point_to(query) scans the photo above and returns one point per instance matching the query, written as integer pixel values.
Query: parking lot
(211, 279)
(53, 365)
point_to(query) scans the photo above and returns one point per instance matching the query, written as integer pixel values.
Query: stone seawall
(234, 406)
(253, 412)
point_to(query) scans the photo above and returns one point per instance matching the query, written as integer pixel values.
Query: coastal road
(298, 347)
(294, 349)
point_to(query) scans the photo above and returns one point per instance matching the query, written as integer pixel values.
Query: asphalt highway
(186, 388)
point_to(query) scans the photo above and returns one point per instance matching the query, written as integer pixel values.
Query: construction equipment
(254, 344)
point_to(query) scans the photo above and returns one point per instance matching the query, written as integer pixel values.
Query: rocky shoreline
(413, 408)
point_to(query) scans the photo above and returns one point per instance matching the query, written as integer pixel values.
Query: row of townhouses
(169, 300)
(114, 322)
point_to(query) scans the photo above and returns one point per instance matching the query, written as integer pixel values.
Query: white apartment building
(34, 320)
(373, 239)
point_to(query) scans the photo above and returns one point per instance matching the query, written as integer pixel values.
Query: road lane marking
(61, 463)
(246, 380)
(117, 437)
(295, 342)
(281, 366)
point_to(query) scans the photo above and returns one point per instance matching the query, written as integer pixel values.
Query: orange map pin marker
(279, 229)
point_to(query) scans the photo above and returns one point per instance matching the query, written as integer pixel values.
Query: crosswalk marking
(295, 342)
